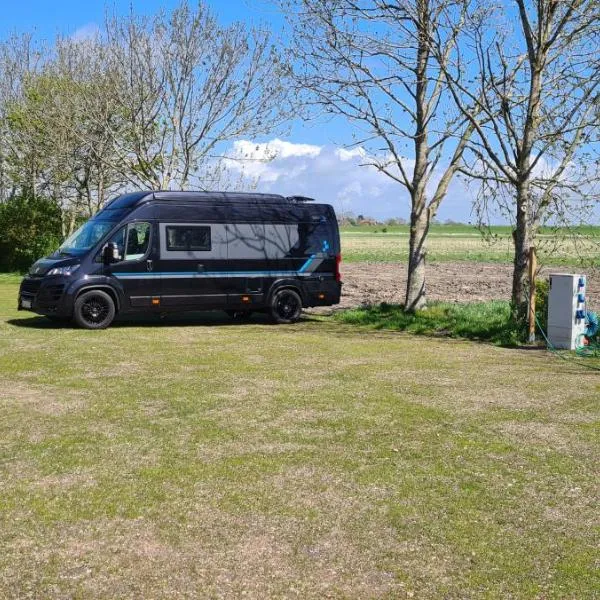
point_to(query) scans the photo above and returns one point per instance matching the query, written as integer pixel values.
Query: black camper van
(155, 252)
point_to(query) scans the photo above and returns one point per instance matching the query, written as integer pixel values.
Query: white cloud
(339, 177)
(276, 147)
(336, 176)
(350, 154)
(326, 173)
(89, 31)
(270, 161)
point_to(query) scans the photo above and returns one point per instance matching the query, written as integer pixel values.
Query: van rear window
(188, 237)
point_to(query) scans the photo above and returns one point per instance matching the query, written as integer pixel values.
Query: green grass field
(200, 459)
(466, 243)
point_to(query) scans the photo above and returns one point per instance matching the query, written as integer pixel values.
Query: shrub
(29, 229)
(542, 287)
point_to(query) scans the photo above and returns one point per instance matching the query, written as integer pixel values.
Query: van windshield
(86, 237)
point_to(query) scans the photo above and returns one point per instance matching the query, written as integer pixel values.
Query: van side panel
(254, 248)
(246, 252)
(192, 257)
(302, 242)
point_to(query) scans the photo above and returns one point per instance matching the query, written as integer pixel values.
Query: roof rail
(300, 199)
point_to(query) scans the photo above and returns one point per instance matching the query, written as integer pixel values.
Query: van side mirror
(110, 253)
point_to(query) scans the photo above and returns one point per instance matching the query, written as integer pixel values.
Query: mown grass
(464, 243)
(472, 230)
(490, 322)
(10, 278)
(197, 458)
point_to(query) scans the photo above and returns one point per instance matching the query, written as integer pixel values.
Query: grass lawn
(200, 459)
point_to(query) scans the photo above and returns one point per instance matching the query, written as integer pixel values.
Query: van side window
(117, 238)
(188, 237)
(313, 238)
(138, 239)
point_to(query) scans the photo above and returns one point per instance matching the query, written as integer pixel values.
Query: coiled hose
(587, 344)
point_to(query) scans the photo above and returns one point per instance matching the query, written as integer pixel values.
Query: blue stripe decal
(204, 274)
(306, 264)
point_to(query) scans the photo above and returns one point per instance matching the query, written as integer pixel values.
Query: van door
(192, 259)
(135, 268)
(247, 264)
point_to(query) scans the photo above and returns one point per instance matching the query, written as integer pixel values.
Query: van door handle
(200, 268)
(149, 265)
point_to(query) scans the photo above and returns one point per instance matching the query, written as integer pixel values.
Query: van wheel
(94, 310)
(286, 306)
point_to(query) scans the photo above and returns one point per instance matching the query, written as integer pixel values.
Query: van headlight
(69, 270)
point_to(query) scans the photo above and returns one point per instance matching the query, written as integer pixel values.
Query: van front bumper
(44, 295)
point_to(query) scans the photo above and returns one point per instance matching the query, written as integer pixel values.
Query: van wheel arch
(286, 285)
(103, 288)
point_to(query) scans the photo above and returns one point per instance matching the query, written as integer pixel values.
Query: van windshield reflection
(86, 237)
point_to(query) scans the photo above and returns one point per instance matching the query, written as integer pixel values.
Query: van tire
(94, 310)
(286, 306)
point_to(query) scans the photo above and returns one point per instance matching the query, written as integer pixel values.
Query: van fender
(280, 284)
(106, 284)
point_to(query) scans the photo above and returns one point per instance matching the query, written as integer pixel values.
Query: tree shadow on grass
(488, 322)
(183, 319)
(37, 322)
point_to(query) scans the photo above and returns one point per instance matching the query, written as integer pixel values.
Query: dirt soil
(371, 283)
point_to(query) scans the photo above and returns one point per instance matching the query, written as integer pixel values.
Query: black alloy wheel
(94, 310)
(286, 306)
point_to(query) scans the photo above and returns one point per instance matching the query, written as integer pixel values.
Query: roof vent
(300, 199)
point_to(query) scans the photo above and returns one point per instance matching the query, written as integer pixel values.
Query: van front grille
(50, 295)
(31, 286)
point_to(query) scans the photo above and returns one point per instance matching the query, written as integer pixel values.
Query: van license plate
(25, 303)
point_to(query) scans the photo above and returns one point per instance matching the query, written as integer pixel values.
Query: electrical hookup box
(566, 310)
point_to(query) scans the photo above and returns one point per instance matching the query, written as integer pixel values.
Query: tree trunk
(63, 222)
(522, 242)
(72, 217)
(415, 285)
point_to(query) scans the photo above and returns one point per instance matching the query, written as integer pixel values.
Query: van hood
(42, 266)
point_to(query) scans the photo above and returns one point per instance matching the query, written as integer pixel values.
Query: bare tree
(20, 57)
(377, 63)
(185, 85)
(149, 102)
(88, 113)
(54, 149)
(40, 152)
(537, 91)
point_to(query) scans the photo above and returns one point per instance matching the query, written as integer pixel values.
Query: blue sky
(66, 16)
(311, 159)
(320, 174)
